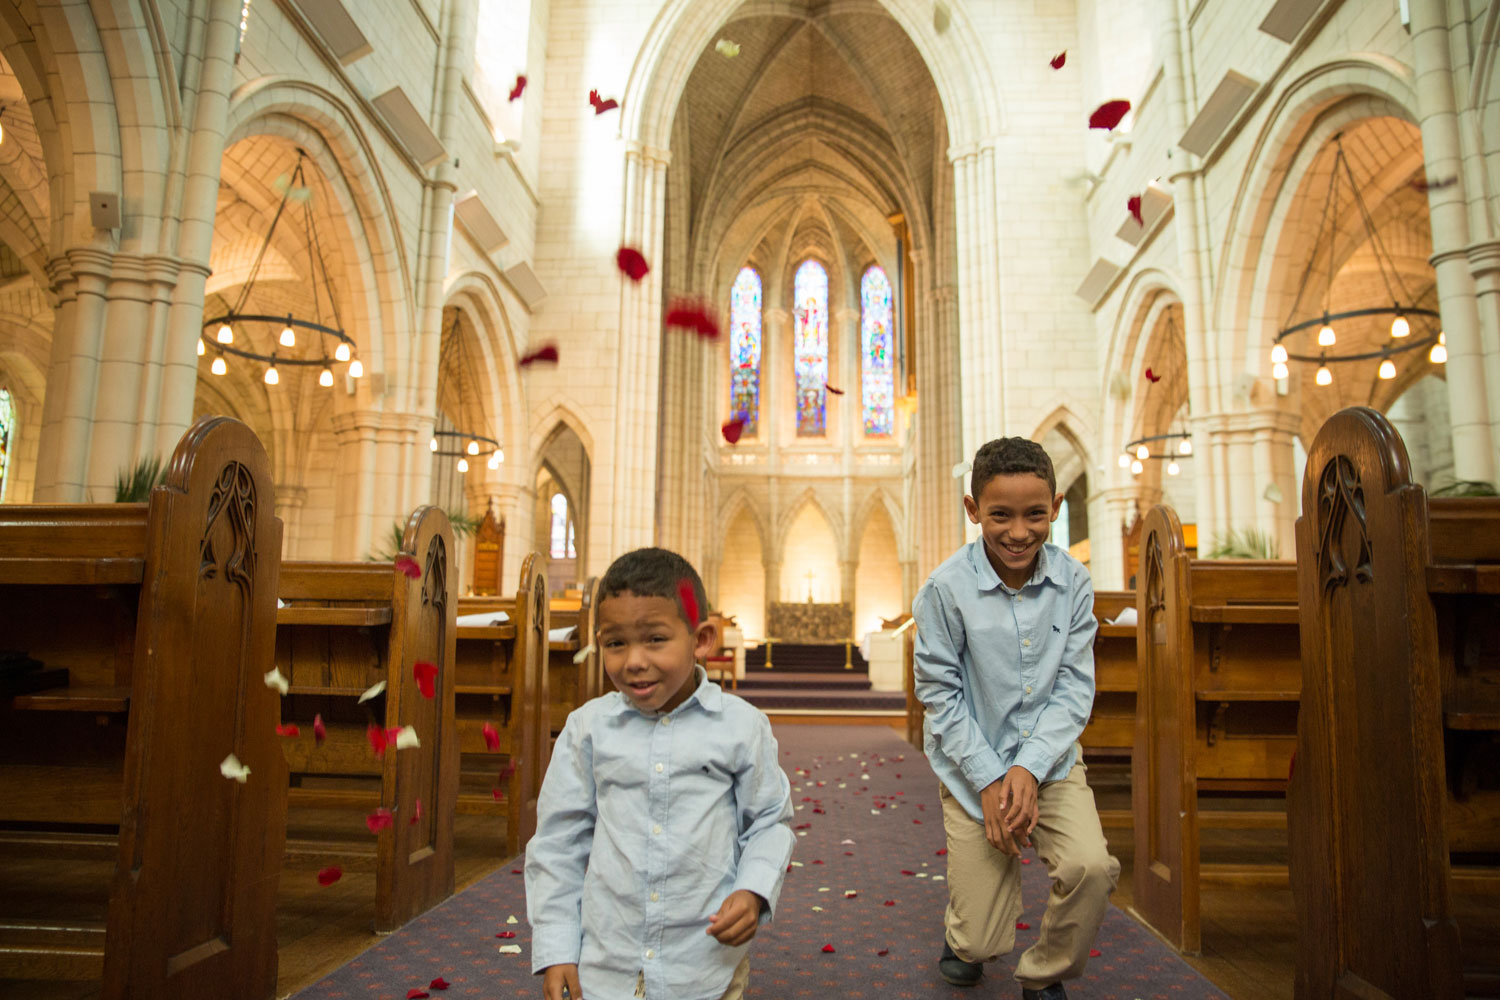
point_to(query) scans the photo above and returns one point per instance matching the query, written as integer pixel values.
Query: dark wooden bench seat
(161, 618)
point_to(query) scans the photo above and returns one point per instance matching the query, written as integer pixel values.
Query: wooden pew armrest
(1240, 694)
(1463, 578)
(496, 633)
(347, 617)
(75, 699)
(1245, 614)
(1482, 722)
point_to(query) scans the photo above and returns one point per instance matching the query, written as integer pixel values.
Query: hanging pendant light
(1124, 460)
(272, 376)
(1278, 354)
(325, 377)
(1439, 353)
(356, 370)
(288, 335)
(202, 347)
(1173, 468)
(1185, 446)
(1326, 337)
(463, 465)
(1280, 371)
(1324, 376)
(219, 367)
(1142, 452)
(226, 333)
(1387, 369)
(341, 352)
(1136, 467)
(496, 457)
(1400, 327)
(473, 447)
(433, 445)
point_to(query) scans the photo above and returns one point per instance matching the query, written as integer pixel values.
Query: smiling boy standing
(1005, 669)
(663, 825)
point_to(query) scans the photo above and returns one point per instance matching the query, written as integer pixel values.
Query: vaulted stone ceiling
(827, 112)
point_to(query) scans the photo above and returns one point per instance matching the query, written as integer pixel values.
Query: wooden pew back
(1111, 728)
(1388, 576)
(348, 626)
(198, 569)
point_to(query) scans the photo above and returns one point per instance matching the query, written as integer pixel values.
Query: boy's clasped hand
(1010, 810)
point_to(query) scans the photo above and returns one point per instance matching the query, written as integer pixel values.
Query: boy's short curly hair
(655, 573)
(1011, 456)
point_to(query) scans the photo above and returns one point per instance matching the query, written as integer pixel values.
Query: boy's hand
(556, 977)
(1010, 810)
(737, 920)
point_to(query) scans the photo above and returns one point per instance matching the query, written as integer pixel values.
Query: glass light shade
(325, 377)
(463, 465)
(356, 370)
(1185, 446)
(1124, 460)
(272, 376)
(1387, 369)
(1278, 354)
(341, 352)
(497, 456)
(1136, 467)
(1400, 327)
(226, 334)
(1326, 337)
(473, 448)
(202, 347)
(288, 337)
(493, 463)
(1142, 452)
(432, 444)
(2, 133)
(1173, 468)
(1324, 376)
(1280, 371)
(218, 367)
(1439, 353)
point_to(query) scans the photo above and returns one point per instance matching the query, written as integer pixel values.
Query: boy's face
(1015, 515)
(649, 651)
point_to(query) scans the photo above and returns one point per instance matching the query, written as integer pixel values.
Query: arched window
(810, 348)
(562, 530)
(7, 432)
(875, 340)
(744, 349)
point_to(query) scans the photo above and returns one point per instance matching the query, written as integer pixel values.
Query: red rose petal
(426, 677)
(288, 730)
(802, 826)
(889, 902)
(905, 872)
(631, 263)
(416, 813)
(391, 735)
(836, 392)
(547, 353)
(491, 736)
(376, 736)
(917, 822)
(516, 871)
(732, 430)
(817, 862)
(320, 731)
(416, 993)
(1022, 927)
(1109, 114)
(602, 105)
(1025, 861)
(408, 565)
(1152, 376)
(883, 952)
(497, 793)
(828, 949)
(1094, 953)
(507, 935)
(1133, 203)
(507, 770)
(689, 600)
(1058, 60)
(515, 91)
(330, 875)
(942, 852)
(694, 315)
(438, 984)
(379, 819)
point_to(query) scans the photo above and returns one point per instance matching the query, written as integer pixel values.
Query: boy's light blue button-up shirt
(645, 825)
(1007, 677)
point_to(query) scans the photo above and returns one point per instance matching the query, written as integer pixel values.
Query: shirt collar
(707, 694)
(988, 579)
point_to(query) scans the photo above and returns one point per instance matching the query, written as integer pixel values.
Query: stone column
(290, 501)
(850, 405)
(773, 587)
(937, 433)
(1484, 266)
(1468, 395)
(81, 283)
(1111, 511)
(775, 381)
(1275, 484)
(848, 568)
(980, 341)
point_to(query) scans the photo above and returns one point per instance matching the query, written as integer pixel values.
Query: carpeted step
(832, 700)
(803, 658)
(844, 680)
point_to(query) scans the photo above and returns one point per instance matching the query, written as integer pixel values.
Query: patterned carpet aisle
(878, 901)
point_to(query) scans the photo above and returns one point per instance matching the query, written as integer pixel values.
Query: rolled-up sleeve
(763, 808)
(1067, 710)
(939, 686)
(558, 853)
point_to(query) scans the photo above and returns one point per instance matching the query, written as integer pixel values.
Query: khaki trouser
(984, 884)
(737, 983)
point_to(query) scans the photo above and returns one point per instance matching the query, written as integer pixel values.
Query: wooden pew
(502, 681)
(1219, 673)
(344, 628)
(1396, 781)
(162, 618)
(1110, 732)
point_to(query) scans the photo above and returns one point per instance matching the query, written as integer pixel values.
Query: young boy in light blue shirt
(1005, 670)
(663, 824)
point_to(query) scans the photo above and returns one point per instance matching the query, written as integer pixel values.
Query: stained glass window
(810, 348)
(7, 429)
(562, 530)
(744, 349)
(875, 339)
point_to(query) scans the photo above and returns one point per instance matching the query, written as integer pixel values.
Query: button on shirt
(643, 830)
(1007, 677)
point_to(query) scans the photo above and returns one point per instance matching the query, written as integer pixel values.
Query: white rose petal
(510, 949)
(276, 680)
(374, 690)
(406, 738)
(230, 767)
(584, 653)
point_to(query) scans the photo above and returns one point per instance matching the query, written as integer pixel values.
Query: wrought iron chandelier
(223, 325)
(1138, 452)
(1402, 308)
(471, 448)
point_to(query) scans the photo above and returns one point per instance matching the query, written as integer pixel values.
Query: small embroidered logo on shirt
(1057, 630)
